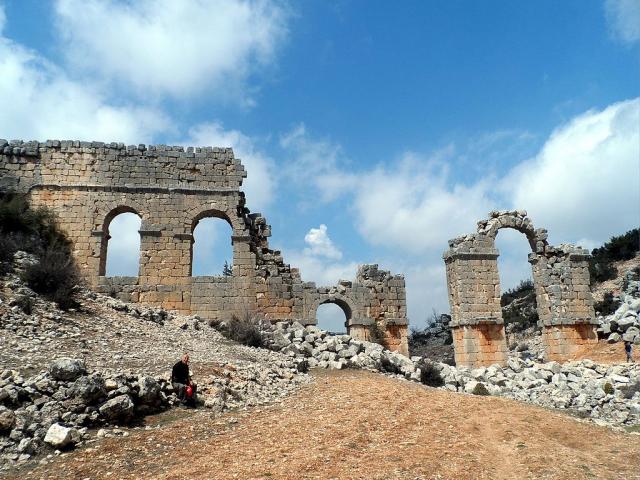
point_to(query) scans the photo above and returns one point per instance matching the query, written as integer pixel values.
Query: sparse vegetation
(630, 390)
(25, 303)
(376, 334)
(607, 305)
(608, 388)
(244, 328)
(480, 389)
(35, 231)
(519, 306)
(389, 367)
(623, 247)
(429, 374)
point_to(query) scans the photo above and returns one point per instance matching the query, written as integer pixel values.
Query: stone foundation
(479, 345)
(563, 341)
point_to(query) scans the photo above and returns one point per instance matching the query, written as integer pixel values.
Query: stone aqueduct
(561, 282)
(87, 184)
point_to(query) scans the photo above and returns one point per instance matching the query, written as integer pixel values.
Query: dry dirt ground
(606, 353)
(360, 425)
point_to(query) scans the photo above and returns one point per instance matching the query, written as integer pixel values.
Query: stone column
(565, 304)
(474, 296)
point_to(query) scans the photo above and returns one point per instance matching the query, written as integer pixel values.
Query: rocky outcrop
(624, 323)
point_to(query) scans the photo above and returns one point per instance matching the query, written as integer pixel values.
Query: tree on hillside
(226, 270)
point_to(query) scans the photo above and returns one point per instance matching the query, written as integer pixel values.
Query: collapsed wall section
(171, 188)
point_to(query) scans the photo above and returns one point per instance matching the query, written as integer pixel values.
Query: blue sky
(372, 131)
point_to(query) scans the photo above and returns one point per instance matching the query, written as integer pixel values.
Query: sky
(372, 131)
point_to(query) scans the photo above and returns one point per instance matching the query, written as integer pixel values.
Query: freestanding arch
(561, 282)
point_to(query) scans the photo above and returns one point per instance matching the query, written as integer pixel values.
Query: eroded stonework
(560, 278)
(87, 184)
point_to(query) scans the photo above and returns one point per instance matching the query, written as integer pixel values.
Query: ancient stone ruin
(87, 184)
(560, 278)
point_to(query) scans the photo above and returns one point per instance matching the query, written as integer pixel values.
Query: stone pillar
(565, 304)
(473, 286)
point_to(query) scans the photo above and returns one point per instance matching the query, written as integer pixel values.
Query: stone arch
(214, 209)
(210, 213)
(115, 210)
(346, 303)
(517, 220)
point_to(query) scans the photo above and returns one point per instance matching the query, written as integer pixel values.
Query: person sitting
(182, 382)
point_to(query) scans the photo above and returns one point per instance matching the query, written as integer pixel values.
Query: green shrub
(429, 374)
(480, 389)
(630, 390)
(388, 366)
(607, 305)
(244, 328)
(623, 247)
(608, 388)
(7, 248)
(376, 334)
(25, 303)
(54, 275)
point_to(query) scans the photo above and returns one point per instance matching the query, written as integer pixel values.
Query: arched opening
(212, 250)
(120, 250)
(517, 292)
(334, 316)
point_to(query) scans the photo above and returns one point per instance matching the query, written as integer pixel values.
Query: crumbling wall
(87, 184)
(561, 281)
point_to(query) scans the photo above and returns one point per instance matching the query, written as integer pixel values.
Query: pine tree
(226, 270)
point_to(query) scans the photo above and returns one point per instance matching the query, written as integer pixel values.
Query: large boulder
(118, 408)
(67, 369)
(149, 392)
(59, 436)
(89, 388)
(7, 419)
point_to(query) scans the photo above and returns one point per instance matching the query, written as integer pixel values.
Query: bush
(245, 328)
(630, 390)
(55, 276)
(376, 334)
(25, 303)
(623, 247)
(429, 374)
(389, 367)
(608, 388)
(607, 305)
(7, 248)
(480, 389)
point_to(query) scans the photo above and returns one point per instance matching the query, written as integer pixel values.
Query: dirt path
(353, 425)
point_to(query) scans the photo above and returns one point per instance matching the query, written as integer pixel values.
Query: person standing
(627, 350)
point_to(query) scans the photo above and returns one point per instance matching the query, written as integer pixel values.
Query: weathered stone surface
(561, 280)
(119, 408)
(59, 436)
(87, 184)
(67, 369)
(7, 419)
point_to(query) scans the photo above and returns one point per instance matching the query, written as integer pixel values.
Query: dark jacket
(180, 373)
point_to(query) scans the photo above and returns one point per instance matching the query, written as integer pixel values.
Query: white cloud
(320, 163)
(39, 101)
(320, 244)
(623, 17)
(584, 184)
(260, 183)
(320, 261)
(413, 206)
(176, 47)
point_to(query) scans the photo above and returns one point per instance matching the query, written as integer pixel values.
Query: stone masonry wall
(561, 281)
(87, 184)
